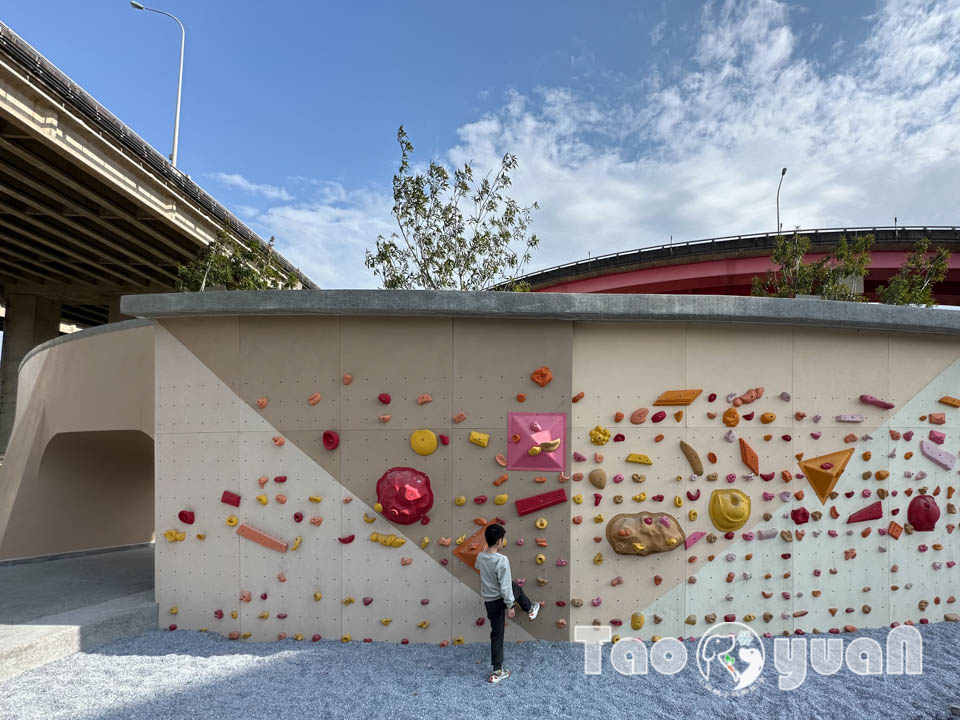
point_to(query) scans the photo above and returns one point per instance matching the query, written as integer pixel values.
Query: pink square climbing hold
(537, 441)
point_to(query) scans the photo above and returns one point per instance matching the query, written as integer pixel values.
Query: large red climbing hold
(186, 517)
(923, 513)
(405, 495)
(331, 439)
(528, 505)
(873, 511)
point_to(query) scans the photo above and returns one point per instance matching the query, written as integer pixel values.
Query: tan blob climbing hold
(598, 478)
(693, 457)
(749, 457)
(824, 471)
(677, 397)
(729, 509)
(644, 533)
(731, 418)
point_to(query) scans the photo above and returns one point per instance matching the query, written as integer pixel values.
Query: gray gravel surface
(161, 675)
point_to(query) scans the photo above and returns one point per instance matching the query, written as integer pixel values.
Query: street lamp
(782, 173)
(183, 37)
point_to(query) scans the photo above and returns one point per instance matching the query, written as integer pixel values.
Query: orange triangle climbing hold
(824, 479)
(468, 550)
(749, 457)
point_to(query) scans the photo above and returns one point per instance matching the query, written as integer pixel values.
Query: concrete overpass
(88, 211)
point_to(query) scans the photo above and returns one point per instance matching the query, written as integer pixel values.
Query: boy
(499, 594)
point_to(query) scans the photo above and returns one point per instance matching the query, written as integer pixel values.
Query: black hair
(493, 534)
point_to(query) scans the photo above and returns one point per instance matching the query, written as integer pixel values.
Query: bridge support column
(30, 320)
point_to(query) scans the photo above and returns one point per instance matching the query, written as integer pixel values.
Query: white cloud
(270, 192)
(656, 34)
(699, 154)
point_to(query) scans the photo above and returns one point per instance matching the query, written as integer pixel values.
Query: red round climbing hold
(186, 516)
(658, 416)
(711, 397)
(619, 437)
(405, 495)
(298, 517)
(444, 439)
(480, 499)
(331, 439)
(263, 596)
(800, 515)
(172, 627)
(404, 642)
(923, 513)
(384, 398)
(316, 637)
(218, 614)
(280, 479)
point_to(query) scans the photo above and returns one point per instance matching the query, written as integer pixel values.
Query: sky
(634, 123)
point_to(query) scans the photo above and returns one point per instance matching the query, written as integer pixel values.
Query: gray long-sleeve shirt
(495, 578)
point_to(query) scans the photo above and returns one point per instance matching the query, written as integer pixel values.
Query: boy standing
(499, 594)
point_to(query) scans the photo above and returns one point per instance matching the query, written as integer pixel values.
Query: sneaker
(499, 675)
(534, 611)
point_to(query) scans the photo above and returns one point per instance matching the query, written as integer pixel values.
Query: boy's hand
(511, 612)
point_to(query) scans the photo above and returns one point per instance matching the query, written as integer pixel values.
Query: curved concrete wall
(616, 355)
(78, 472)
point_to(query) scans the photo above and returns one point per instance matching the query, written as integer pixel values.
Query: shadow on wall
(92, 490)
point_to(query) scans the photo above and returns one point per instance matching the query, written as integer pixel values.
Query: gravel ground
(161, 675)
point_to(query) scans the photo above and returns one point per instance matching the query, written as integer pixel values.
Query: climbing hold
(541, 376)
(749, 456)
(748, 397)
(823, 479)
(232, 520)
(599, 435)
(296, 543)
(423, 442)
(479, 438)
(282, 499)
(693, 457)
(639, 458)
(923, 513)
(261, 538)
(731, 418)
(278, 441)
(658, 416)
(936, 455)
(644, 533)
(347, 539)
(677, 397)
(598, 478)
(729, 509)
(331, 439)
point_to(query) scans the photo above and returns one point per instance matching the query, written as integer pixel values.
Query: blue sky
(632, 121)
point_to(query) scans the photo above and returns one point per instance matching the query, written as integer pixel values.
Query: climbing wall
(325, 477)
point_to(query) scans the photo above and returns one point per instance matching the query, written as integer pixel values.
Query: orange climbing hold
(677, 397)
(521, 397)
(261, 538)
(468, 550)
(731, 418)
(261, 403)
(824, 471)
(347, 378)
(541, 376)
(501, 480)
(577, 398)
(749, 457)
(314, 399)
(678, 415)
(951, 401)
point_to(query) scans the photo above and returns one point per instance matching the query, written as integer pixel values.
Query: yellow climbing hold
(390, 540)
(692, 515)
(729, 509)
(461, 539)
(345, 638)
(501, 499)
(598, 518)
(678, 501)
(541, 559)
(315, 498)
(246, 635)
(369, 518)
(386, 621)
(298, 636)
(423, 624)
(296, 543)
(636, 621)
(639, 497)
(639, 458)
(639, 547)
(232, 520)
(423, 442)
(264, 615)
(671, 541)
(424, 542)
(599, 435)
(534, 450)
(578, 499)
(598, 559)
(174, 610)
(377, 507)
(458, 640)
(460, 500)
(201, 536)
(615, 639)
(175, 535)
(348, 600)
(749, 617)
(479, 438)
(233, 614)
(541, 523)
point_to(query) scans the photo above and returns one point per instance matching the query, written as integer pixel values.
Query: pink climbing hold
(908, 435)
(578, 456)
(937, 437)
(816, 435)
(876, 402)
(405, 495)
(935, 454)
(186, 517)
(692, 538)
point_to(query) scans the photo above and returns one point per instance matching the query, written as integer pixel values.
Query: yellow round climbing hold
(345, 638)
(501, 499)
(692, 515)
(599, 435)
(423, 442)
(232, 520)
(348, 600)
(615, 639)
(458, 640)
(369, 518)
(174, 610)
(636, 621)
(460, 500)
(246, 635)
(639, 497)
(578, 499)
(318, 595)
(262, 499)
(423, 624)
(233, 614)
(749, 617)
(201, 536)
(729, 509)
(317, 498)
(264, 615)
(298, 636)
(678, 501)
(377, 507)
(541, 523)
(386, 621)
(541, 559)
(424, 542)
(598, 518)
(534, 450)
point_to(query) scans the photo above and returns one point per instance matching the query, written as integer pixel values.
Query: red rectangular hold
(230, 498)
(525, 506)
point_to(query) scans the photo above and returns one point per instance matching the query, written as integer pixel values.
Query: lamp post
(183, 37)
(782, 173)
